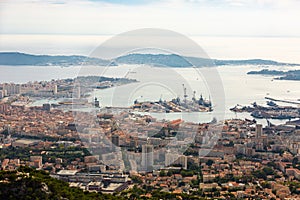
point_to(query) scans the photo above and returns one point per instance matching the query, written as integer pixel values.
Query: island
(282, 75)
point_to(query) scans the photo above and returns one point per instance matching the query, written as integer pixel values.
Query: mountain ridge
(18, 58)
(161, 60)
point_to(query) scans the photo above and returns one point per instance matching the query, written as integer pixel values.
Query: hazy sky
(190, 17)
(226, 29)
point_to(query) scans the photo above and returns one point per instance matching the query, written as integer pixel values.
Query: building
(95, 186)
(182, 161)
(67, 172)
(77, 92)
(175, 159)
(36, 161)
(209, 186)
(114, 187)
(170, 158)
(147, 156)
(1, 94)
(3, 108)
(46, 106)
(24, 143)
(115, 140)
(208, 178)
(55, 89)
(258, 130)
(91, 159)
(11, 88)
(293, 172)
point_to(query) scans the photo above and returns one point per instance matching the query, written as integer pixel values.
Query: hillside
(293, 75)
(27, 183)
(173, 60)
(16, 58)
(160, 60)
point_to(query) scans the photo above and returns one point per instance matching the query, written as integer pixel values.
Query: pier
(283, 101)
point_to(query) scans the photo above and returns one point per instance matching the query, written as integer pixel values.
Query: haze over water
(239, 88)
(283, 49)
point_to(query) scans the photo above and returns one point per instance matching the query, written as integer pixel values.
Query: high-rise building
(3, 108)
(170, 158)
(78, 92)
(4, 93)
(1, 94)
(147, 156)
(11, 88)
(258, 131)
(175, 159)
(182, 160)
(55, 89)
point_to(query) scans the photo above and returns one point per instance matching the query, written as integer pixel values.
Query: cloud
(191, 17)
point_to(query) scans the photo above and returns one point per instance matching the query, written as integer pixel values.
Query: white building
(12, 88)
(147, 156)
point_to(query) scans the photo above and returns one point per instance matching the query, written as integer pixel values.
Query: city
(247, 160)
(149, 100)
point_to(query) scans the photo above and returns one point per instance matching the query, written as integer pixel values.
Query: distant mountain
(16, 58)
(173, 60)
(161, 60)
(252, 62)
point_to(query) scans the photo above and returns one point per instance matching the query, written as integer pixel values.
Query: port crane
(194, 96)
(184, 93)
(160, 99)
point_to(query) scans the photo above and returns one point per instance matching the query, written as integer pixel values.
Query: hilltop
(160, 60)
(27, 183)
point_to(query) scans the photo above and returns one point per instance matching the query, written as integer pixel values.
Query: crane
(194, 96)
(160, 99)
(184, 93)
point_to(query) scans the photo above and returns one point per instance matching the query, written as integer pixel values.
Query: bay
(239, 88)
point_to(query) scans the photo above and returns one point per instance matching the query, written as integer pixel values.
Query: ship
(271, 103)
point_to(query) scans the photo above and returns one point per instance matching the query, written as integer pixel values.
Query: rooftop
(67, 172)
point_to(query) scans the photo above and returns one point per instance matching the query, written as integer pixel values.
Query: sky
(225, 29)
(266, 18)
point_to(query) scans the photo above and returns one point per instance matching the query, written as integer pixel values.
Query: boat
(271, 103)
(257, 114)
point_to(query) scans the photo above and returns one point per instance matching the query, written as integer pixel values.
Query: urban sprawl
(113, 150)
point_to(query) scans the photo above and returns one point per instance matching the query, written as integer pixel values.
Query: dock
(283, 101)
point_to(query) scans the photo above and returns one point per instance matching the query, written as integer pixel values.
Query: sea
(238, 87)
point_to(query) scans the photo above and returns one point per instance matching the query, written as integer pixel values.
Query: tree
(268, 171)
(295, 161)
(162, 173)
(21, 186)
(209, 162)
(259, 174)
